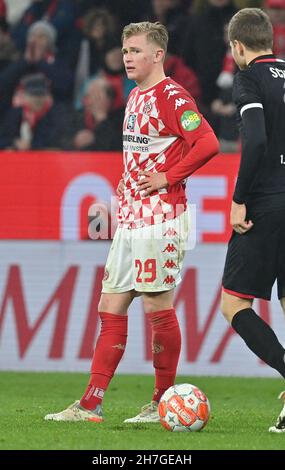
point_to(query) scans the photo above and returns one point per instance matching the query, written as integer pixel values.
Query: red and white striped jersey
(161, 125)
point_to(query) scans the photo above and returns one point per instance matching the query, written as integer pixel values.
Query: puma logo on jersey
(180, 102)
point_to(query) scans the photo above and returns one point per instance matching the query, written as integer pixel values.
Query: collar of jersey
(263, 58)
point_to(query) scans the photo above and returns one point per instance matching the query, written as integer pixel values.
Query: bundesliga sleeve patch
(190, 120)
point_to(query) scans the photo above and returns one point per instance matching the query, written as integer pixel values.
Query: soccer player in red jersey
(165, 140)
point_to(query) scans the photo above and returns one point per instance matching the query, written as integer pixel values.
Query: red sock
(108, 352)
(166, 346)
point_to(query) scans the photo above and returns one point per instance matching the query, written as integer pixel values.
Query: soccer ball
(184, 407)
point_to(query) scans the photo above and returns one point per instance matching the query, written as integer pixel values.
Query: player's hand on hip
(120, 187)
(238, 218)
(151, 182)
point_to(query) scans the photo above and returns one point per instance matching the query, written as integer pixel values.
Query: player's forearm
(253, 149)
(204, 149)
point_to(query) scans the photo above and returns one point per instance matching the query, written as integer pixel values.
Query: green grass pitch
(242, 411)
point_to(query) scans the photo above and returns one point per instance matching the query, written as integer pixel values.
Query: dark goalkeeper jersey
(259, 93)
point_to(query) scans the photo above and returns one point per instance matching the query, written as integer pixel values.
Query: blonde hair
(155, 32)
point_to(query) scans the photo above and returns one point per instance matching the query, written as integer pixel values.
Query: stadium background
(50, 272)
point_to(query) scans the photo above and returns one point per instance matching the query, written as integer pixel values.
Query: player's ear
(240, 48)
(159, 55)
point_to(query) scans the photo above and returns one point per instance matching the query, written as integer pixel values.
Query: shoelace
(73, 405)
(150, 407)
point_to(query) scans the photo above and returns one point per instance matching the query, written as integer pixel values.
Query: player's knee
(231, 304)
(117, 304)
(225, 308)
(150, 306)
(157, 301)
(102, 306)
(228, 306)
(106, 304)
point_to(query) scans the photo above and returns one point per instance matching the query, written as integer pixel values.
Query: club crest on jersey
(131, 122)
(147, 107)
(190, 120)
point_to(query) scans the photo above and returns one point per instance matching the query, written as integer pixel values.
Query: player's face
(238, 54)
(140, 57)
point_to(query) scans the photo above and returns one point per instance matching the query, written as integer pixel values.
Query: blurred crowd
(62, 79)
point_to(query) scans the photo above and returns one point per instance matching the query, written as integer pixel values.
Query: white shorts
(147, 259)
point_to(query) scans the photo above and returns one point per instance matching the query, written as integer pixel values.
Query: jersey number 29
(148, 267)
